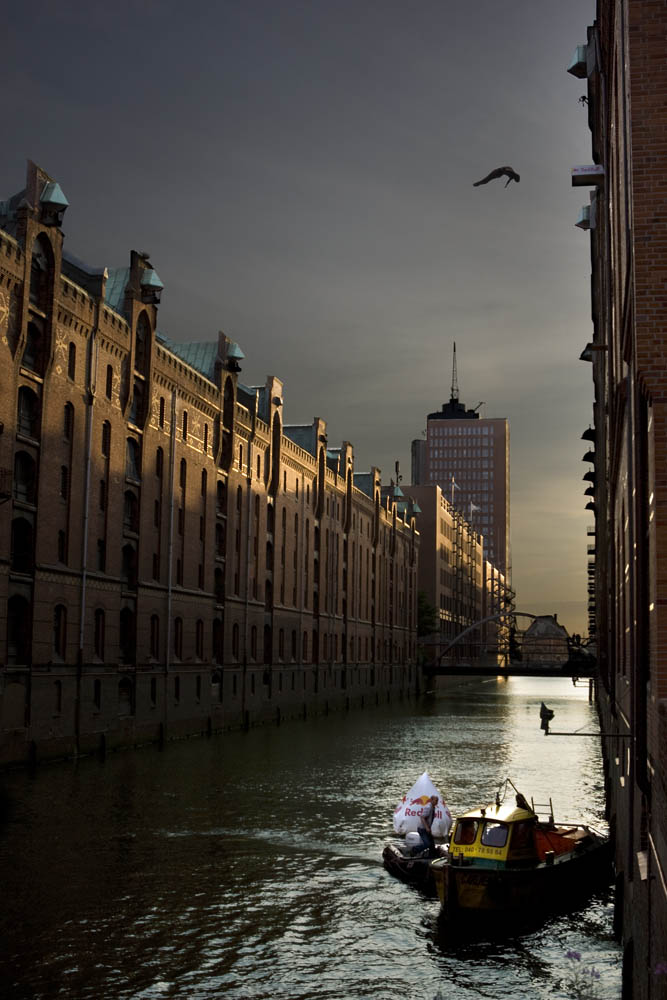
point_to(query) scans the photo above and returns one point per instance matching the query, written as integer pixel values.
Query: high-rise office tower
(467, 456)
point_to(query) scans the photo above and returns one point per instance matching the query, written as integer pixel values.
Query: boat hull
(410, 868)
(478, 891)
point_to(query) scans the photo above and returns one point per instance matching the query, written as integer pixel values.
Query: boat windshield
(494, 834)
(466, 831)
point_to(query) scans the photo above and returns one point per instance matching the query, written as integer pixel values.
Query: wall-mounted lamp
(589, 349)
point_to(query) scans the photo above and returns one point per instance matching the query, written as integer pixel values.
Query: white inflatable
(411, 806)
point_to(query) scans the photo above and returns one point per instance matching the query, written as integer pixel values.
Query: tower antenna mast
(455, 381)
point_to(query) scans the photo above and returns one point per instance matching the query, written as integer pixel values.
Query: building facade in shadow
(174, 557)
(624, 70)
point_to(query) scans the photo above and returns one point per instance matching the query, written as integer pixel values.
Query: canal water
(248, 865)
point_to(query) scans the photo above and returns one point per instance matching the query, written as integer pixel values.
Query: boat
(504, 861)
(408, 861)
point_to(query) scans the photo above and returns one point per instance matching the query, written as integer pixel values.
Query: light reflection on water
(249, 865)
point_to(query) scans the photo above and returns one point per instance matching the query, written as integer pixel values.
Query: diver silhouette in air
(507, 172)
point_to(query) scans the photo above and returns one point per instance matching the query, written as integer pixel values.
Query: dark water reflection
(249, 865)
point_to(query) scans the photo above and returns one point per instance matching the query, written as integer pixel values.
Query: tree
(427, 615)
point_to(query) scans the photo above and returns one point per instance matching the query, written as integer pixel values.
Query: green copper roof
(201, 357)
(150, 279)
(115, 290)
(53, 195)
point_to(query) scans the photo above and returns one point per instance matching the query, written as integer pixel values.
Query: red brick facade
(173, 559)
(626, 68)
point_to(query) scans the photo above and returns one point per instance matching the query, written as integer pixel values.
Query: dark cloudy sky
(301, 174)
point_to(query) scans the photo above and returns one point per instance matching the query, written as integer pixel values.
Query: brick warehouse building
(459, 581)
(624, 65)
(174, 558)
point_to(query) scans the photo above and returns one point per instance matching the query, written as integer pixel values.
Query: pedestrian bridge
(511, 652)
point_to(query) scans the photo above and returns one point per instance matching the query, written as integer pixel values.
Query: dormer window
(151, 286)
(53, 204)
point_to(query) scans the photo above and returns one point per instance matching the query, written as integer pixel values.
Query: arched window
(125, 696)
(28, 413)
(128, 638)
(24, 477)
(33, 353)
(159, 463)
(108, 389)
(129, 566)
(161, 412)
(219, 586)
(106, 439)
(268, 644)
(275, 455)
(218, 636)
(142, 341)
(22, 546)
(133, 460)
(40, 273)
(183, 474)
(221, 497)
(99, 633)
(57, 697)
(19, 630)
(155, 637)
(71, 361)
(185, 425)
(60, 631)
(204, 482)
(131, 512)
(205, 439)
(220, 539)
(227, 424)
(199, 639)
(178, 638)
(138, 408)
(228, 406)
(68, 421)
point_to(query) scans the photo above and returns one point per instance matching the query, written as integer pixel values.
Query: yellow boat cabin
(496, 834)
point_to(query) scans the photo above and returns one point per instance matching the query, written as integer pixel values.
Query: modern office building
(622, 65)
(467, 456)
(174, 556)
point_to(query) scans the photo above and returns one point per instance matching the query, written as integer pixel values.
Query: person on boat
(425, 821)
